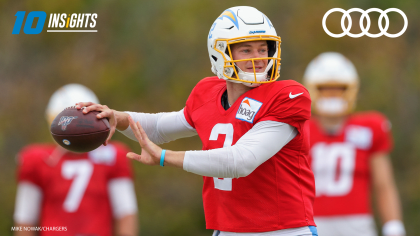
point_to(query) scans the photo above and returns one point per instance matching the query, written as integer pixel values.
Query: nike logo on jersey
(248, 109)
(291, 96)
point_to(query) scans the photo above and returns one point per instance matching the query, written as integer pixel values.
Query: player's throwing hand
(105, 111)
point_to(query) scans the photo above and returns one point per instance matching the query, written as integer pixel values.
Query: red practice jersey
(278, 194)
(74, 186)
(341, 163)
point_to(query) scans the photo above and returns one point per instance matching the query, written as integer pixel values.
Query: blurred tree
(148, 55)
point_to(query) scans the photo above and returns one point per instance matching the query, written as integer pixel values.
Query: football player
(257, 180)
(69, 193)
(349, 154)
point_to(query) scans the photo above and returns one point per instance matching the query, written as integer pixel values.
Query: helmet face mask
(334, 99)
(239, 25)
(333, 84)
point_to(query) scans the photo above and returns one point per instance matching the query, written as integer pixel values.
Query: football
(78, 132)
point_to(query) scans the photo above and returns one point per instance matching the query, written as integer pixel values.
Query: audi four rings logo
(365, 14)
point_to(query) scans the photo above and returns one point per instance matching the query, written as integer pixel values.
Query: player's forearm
(174, 158)
(160, 127)
(385, 188)
(255, 147)
(390, 211)
(388, 203)
(126, 226)
(20, 230)
(386, 195)
(122, 120)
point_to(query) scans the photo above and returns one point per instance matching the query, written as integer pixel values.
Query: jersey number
(224, 184)
(333, 167)
(80, 171)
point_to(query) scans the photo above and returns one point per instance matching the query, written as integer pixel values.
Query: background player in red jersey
(349, 154)
(257, 180)
(79, 194)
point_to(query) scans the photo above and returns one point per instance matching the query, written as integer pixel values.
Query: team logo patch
(66, 120)
(360, 136)
(248, 109)
(66, 142)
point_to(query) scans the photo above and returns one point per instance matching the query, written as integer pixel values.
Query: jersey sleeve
(291, 105)
(187, 114)
(190, 105)
(29, 166)
(122, 167)
(382, 138)
(205, 91)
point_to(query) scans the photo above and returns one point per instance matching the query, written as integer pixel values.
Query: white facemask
(331, 106)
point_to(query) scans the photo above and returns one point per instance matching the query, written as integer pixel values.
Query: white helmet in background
(68, 96)
(237, 25)
(331, 69)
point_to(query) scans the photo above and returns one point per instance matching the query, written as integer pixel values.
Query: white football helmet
(68, 96)
(237, 25)
(331, 69)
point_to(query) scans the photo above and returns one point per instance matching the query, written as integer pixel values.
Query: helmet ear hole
(270, 71)
(271, 45)
(227, 51)
(214, 58)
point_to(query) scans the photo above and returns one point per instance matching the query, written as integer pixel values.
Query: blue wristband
(162, 157)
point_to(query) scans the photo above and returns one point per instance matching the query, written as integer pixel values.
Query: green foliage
(148, 55)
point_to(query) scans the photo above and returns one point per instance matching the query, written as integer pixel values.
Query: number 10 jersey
(341, 165)
(279, 193)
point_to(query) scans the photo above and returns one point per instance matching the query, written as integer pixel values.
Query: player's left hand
(150, 153)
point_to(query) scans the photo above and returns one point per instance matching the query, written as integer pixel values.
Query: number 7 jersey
(279, 193)
(74, 186)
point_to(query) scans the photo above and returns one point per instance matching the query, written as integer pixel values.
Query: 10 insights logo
(58, 22)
